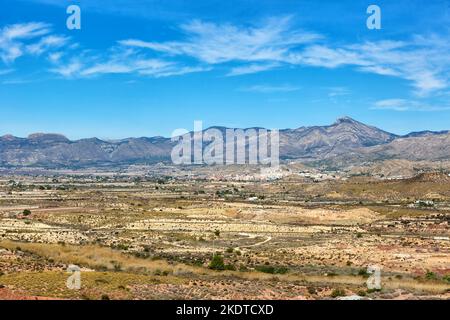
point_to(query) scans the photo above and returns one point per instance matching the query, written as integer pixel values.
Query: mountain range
(346, 140)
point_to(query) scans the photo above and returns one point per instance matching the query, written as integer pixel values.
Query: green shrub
(431, 276)
(338, 293)
(230, 267)
(363, 273)
(26, 212)
(446, 278)
(362, 293)
(272, 269)
(312, 290)
(217, 263)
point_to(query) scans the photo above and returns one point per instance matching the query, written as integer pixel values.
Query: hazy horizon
(204, 128)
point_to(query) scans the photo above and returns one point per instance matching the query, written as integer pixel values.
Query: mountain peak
(8, 137)
(345, 119)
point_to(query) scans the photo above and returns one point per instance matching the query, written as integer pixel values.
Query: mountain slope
(322, 142)
(345, 142)
(47, 150)
(422, 147)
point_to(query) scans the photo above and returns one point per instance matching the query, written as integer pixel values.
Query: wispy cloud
(423, 61)
(219, 43)
(119, 61)
(252, 68)
(334, 92)
(47, 43)
(69, 69)
(270, 88)
(426, 64)
(407, 105)
(13, 39)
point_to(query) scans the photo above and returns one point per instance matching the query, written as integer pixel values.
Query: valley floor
(170, 239)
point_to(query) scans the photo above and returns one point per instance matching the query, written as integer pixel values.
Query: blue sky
(145, 68)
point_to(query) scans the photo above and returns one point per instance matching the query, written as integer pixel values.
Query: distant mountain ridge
(344, 141)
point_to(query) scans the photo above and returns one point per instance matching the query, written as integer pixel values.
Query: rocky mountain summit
(344, 141)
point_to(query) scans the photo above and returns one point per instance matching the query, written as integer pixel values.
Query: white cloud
(334, 92)
(407, 105)
(150, 66)
(32, 38)
(422, 60)
(54, 57)
(384, 71)
(270, 88)
(25, 31)
(46, 43)
(120, 61)
(252, 68)
(425, 64)
(178, 71)
(69, 70)
(219, 43)
(13, 37)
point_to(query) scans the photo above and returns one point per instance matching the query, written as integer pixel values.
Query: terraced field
(174, 239)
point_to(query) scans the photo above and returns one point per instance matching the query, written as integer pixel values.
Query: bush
(431, 275)
(217, 263)
(230, 267)
(338, 293)
(362, 293)
(26, 212)
(312, 290)
(122, 246)
(272, 269)
(363, 273)
(160, 273)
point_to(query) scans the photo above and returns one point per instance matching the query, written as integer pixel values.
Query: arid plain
(300, 236)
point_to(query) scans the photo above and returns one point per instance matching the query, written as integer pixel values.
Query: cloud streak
(274, 44)
(219, 43)
(423, 61)
(270, 89)
(13, 39)
(403, 105)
